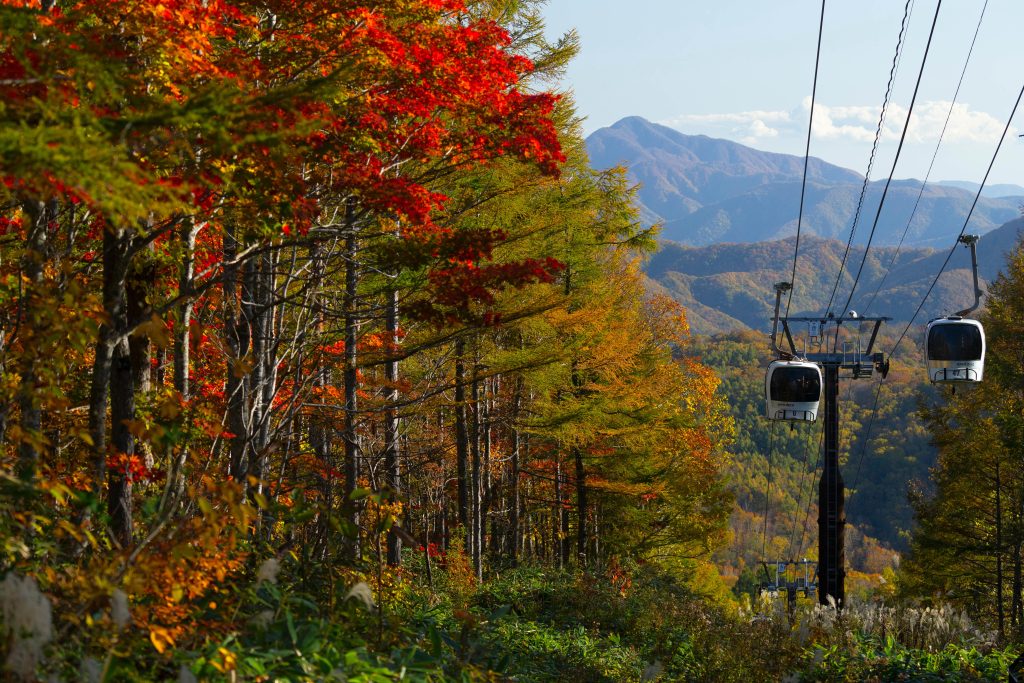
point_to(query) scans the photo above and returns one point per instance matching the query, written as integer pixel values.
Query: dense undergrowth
(532, 624)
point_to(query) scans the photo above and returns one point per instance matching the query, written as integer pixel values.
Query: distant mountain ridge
(998, 190)
(727, 287)
(705, 190)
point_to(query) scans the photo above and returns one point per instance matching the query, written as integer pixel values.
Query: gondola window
(954, 343)
(796, 385)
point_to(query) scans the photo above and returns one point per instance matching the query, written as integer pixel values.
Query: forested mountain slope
(705, 190)
(729, 286)
(879, 467)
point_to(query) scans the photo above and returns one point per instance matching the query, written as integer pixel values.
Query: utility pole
(831, 500)
(831, 492)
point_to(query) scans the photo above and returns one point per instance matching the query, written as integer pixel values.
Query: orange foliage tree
(305, 281)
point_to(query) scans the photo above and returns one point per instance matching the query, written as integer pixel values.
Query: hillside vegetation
(325, 355)
(705, 190)
(885, 452)
(728, 287)
(274, 332)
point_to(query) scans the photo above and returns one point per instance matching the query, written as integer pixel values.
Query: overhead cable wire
(931, 165)
(807, 153)
(874, 149)
(810, 493)
(967, 220)
(892, 261)
(895, 161)
(768, 490)
(864, 443)
(808, 473)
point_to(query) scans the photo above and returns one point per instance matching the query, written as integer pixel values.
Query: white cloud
(852, 123)
(964, 125)
(748, 127)
(742, 117)
(758, 131)
(859, 123)
(758, 128)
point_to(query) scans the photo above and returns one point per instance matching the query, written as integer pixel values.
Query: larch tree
(968, 545)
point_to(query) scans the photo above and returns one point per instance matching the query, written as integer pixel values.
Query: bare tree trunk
(462, 443)
(271, 330)
(1015, 601)
(189, 232)
(528, 550)
(1000, 609)
(112, 377)
(236, 336)
(140, 276)
(31, 420)
(560, 548)
(564, 542)
(518, 446)
(319, 425)
(474, 442)
(351, 378)
(391, 446)
(445, 530)
(122, 411)
(581, 508)
(98, 396)
(252, 314)
(491, 490)
(258, 300)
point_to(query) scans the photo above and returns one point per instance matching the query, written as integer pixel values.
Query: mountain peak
(631, 121)
(705, 190)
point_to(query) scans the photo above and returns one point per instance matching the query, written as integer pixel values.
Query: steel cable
(895, 161)
(874, 150)
(967, 220)
(931, 165)
(807, 153)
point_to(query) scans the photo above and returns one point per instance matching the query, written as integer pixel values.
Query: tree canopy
(329, 286)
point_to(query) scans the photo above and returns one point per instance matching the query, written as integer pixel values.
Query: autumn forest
(326, 355)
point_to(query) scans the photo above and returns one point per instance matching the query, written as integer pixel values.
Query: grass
(534, 624)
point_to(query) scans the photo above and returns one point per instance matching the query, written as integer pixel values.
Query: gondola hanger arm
(780, 289)
(971, 242)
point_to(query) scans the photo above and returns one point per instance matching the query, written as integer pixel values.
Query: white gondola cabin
(792, 390)
(955, 349)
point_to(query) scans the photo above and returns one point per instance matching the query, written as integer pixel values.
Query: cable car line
(807, 153)
(895, 161)
(892, 261)
(954, 349)
(795, 386)
(967, 220)
(954, 344)
(931, 165)
(810, 494)
(767, 491)
(864, 443)
(795, 383)
(779, 287)
(810, 491)
(874, 149)
(807, 475)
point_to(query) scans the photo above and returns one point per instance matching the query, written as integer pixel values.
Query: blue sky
(743, 70)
